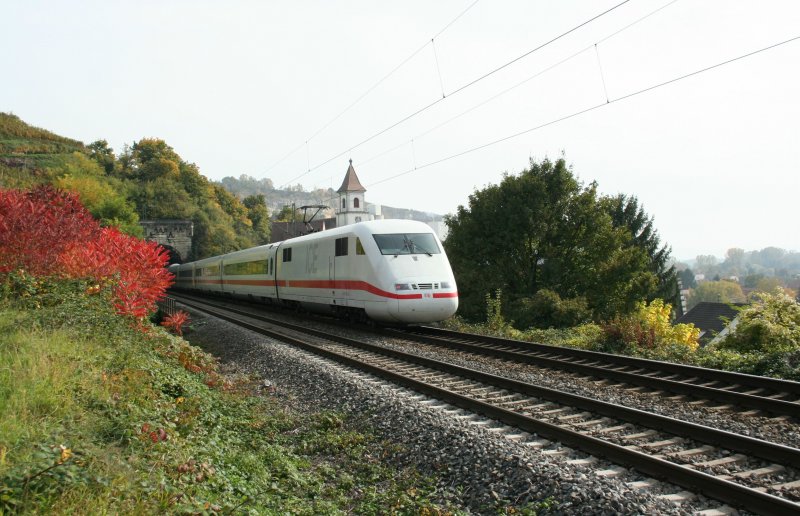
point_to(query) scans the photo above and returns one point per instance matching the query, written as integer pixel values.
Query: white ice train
(392, 271)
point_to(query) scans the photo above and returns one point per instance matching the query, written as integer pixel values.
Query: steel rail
(724, 395)
(724, 490)
(773, 384)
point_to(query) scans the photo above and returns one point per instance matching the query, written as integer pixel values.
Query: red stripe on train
(329, 284)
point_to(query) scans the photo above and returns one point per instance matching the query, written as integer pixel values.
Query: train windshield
(407, 243)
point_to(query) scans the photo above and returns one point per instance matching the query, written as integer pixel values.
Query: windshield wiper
(412, 247)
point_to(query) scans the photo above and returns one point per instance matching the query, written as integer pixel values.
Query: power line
(459, 89)
(371, 88)
(526, 54)
(525, 81)
(589, 109)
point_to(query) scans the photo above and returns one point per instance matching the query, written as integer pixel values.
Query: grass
(98, 418)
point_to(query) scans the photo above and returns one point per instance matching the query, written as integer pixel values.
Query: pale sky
(236, 86)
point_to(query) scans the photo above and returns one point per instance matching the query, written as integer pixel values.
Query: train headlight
(445, 284)
(402, 286)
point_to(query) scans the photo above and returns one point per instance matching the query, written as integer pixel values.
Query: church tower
(352, 207)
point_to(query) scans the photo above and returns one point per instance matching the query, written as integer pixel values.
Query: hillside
(147, 180)
(26, 152)
(246, 185)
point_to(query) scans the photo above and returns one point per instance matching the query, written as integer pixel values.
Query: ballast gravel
(481, 466)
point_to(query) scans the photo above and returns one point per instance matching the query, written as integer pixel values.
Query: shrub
(37, 226)
(175, 322)
(494, 311)
(546, 309)
(771, 324)
(765, 340)
(135, 268)
(649, 328)
(47, 232)
(584, 336)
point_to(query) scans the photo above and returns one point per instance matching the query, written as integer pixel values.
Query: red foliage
(136, 267)
(176, 321)
(48, 232)
(36, 227)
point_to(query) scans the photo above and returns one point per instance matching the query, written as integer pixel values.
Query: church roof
(351, 182)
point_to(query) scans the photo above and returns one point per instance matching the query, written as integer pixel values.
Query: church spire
(351, 182)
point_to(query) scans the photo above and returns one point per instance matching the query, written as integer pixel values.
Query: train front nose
(421, 301)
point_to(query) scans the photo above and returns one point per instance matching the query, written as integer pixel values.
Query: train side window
(341, 246)
(287, 254)
(270, 266)
(359, 247)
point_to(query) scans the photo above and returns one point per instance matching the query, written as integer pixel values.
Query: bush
(765, 340)
(46, 232)
(771, 324)
(546, 309)
(648, 328)
(586, 336)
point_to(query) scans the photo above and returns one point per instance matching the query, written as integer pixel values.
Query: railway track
(735, 469)
(734, 390)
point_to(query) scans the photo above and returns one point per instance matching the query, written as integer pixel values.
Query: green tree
(687, 278)
(287, 214)
(105, 197)
(153, 159)
(768, 284)
(102, 154)
(542, 229)
(626, 213)
(734, 261)
(723, 291)
(259, 216)
(706, 264)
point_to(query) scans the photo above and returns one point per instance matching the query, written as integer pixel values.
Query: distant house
(715, 320)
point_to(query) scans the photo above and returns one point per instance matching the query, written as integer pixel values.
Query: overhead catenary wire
(459, 89)
(525, 81)
(373, 87)
(587, 110)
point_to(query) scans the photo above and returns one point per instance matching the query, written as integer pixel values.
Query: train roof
(359, 228)
(366, 228)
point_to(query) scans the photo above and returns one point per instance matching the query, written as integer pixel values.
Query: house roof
(351, 182)
(711, 318)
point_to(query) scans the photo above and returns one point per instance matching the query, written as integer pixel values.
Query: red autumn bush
(175, 322)
(49, 233)
(37, 226)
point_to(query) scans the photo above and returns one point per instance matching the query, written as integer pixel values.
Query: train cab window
(287, 254)
(359, 247)
(341, 246)
(407, 243)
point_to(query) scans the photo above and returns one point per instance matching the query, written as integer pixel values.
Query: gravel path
(481, 465)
